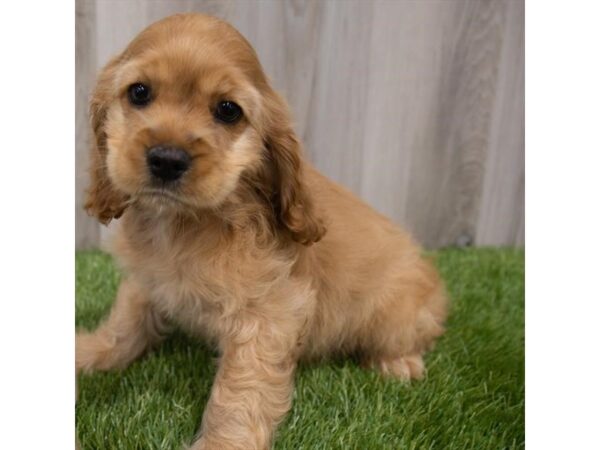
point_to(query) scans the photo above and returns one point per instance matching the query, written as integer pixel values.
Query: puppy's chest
(181, 281)
(186, 290)
(196, 285)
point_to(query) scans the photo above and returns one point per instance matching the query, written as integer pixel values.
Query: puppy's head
(183, 118)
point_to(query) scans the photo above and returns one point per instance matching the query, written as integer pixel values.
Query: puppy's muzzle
(167, 163)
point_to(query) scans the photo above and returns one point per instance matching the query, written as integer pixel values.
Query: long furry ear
(103, 201)
(293, 203)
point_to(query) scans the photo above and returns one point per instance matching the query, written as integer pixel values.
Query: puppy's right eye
(228, 112)
(139, 94)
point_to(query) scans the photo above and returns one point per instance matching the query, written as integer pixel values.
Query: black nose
(167, 163)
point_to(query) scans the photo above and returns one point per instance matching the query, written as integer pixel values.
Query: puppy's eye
(228, 112)
(139, 94)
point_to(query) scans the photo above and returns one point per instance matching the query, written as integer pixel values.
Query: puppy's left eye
(139, 94)
(228, 112)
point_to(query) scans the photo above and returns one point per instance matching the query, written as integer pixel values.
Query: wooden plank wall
(416, 106)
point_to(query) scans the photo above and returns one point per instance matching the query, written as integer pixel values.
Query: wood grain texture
(87, 229)
(447, 169)
(416, 106)
(502, 215)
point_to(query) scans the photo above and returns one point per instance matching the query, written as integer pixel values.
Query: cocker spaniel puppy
(229, 233)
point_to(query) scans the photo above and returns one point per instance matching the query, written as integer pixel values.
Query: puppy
(229, 233)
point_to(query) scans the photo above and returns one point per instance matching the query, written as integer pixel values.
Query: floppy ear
(293, 203)
(103, 201)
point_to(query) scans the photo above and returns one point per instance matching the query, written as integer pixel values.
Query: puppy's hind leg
(132, 327)
(403, 367)
(406, 327)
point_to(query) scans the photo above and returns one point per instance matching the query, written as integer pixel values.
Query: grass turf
(472, 398)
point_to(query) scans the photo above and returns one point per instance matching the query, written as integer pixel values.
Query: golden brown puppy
(227, 232)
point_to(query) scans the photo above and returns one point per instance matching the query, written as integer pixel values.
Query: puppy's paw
(407, 367)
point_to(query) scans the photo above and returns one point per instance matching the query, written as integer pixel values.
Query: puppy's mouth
(161, 197)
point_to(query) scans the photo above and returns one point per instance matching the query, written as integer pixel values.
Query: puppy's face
(181, 116)
(184, 119)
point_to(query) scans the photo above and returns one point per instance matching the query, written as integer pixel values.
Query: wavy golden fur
(252, 249)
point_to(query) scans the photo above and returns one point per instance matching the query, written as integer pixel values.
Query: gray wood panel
(416, 106)
(87, 230)
(502, 214)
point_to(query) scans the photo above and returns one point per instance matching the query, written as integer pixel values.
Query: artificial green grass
(472, 398)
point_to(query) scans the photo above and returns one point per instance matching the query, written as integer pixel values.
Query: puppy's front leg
(133, 325)
(251, 393)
